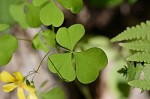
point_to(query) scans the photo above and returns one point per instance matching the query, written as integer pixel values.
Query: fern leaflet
(137, 32)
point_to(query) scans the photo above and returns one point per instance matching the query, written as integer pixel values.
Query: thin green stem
(36, 71)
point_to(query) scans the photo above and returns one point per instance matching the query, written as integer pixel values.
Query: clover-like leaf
(69, 37)
(8, 45)
(62, 64)
(74, 5)
(3, 26)
(89, 63)
(32, 15)
(38, 2)
(51, 15)
(39, 44)
(53, 94)
(17, 12)
(49, 37)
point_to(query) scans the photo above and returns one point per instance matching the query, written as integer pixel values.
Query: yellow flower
(14, 81)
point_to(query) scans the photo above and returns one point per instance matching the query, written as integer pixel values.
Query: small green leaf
(39, 44)
(49, 37)
(89, 63)
(146, 71)
(38, 2)
(55, 93)
(69, 37)
(17, 12)
(51, 15)
(74, 5)
(62, 64)
(32, 15)
(3, 26)
(8, 45)
(142, 84)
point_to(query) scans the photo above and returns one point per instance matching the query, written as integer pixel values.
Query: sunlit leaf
(32, 15)
(17, 12)
(62, 64)
(3, 26)
(51, 15)
(49, 37)
(55, 93)
(39, 44)
(74, 5)
(8, 45)
(69, 37)
(38, 2)
(89, 63)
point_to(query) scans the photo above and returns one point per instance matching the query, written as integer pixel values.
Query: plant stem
(36, 71)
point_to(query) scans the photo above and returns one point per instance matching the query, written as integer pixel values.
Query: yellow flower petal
(28, 88)
(18, 76)
(20, 93)
(9, 87)
(32, 96)
(6, 77)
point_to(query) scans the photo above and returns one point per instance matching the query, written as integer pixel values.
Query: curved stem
(36, 71)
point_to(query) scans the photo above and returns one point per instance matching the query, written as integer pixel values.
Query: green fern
(137, 32)
(140, 45)
(142, 84)
(147, 72)
(140, 57)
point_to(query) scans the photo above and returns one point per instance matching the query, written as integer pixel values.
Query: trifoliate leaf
(89, 63)
(62, 64)
(32, 15)
(49, 37)
(55, 93)
(3, 26)
(51, 15)
(39, 44)
(69, 37)
(17, 12)
(8, 45)
(38, 2)
(74, 5)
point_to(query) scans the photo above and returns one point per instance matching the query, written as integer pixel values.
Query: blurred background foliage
(103, 19)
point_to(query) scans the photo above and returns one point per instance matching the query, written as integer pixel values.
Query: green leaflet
(38, 2)
(134, 72)
(39, 44)
(142, 84)
(140, 57)
(69, 37)
(3, 27)
(74, 5)
(55, 93)
(8, 45)
(49, 37)
(17, 12)
(140, 45)
(32, 15)
(62, 64)
(141, 31)
(50, 14)
(146, 72)
(89, 63)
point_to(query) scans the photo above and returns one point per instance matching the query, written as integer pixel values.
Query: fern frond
(142, 84)
(141, 45)
(147, 72)
(140, 57)
(133, 73)
(141, 31)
